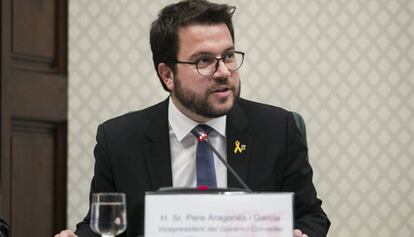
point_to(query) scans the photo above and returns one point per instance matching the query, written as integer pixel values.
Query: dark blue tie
(206, 173)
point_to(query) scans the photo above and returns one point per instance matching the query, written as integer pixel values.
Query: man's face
(204, 97)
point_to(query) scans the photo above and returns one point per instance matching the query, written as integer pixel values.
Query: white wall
(346, 66)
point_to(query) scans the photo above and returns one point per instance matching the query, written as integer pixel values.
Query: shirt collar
(182, 125)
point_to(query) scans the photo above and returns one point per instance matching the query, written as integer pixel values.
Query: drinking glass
(108, 214)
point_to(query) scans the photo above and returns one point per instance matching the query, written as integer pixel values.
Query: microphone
(202, 136)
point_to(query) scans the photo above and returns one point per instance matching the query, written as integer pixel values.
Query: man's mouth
(222, 92)
(222, 89)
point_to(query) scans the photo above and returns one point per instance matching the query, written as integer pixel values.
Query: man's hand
(66, 233)
(296, 232)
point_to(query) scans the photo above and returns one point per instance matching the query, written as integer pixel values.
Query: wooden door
(33, 116)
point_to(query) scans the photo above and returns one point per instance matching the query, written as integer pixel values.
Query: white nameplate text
(219, 215)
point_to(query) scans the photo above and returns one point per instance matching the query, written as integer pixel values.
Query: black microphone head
(200, 134)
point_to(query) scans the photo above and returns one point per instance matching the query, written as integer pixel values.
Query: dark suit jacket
(132, 155)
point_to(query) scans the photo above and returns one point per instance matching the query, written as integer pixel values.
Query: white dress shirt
(183, 146)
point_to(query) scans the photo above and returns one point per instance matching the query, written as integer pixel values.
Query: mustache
(222, 85)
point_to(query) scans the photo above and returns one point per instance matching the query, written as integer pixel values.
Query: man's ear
(167, 76)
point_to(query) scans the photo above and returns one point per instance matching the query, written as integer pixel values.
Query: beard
(199, 104)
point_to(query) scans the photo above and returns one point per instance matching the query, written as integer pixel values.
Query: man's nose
(222, 70)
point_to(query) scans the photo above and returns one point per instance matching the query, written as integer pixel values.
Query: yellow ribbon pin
(239, 148)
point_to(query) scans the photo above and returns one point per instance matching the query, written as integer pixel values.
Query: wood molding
(34, 46)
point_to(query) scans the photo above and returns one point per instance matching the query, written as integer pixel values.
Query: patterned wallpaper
(346, 65)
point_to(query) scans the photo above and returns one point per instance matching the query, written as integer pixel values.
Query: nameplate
(219, 215)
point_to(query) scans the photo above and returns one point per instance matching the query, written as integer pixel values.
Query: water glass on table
(108, 214)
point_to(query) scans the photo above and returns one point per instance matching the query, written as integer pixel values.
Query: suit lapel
(238, 144)
(157, 150)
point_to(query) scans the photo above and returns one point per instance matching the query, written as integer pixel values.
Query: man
(194, 55)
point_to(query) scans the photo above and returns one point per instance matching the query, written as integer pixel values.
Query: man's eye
(205, 61)
(229, 57)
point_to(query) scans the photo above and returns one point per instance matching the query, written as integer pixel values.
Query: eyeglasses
(208, 65)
